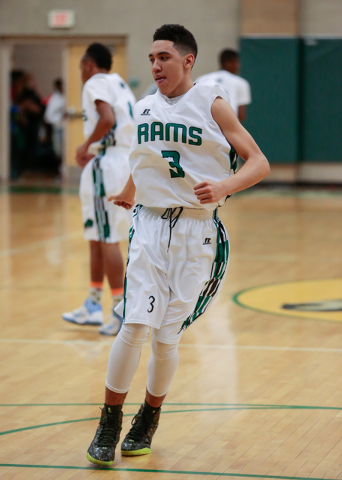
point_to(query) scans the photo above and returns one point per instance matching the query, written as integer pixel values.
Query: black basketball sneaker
(102, 448)
(138, 440)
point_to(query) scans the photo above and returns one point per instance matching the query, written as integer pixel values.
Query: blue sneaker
(89, 313)
(113, 326)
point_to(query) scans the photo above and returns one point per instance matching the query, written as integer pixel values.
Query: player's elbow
(107, 118)
(108, 122)
(264, 166)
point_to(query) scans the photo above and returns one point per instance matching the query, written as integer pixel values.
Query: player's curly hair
(99, 54)
(183, 40)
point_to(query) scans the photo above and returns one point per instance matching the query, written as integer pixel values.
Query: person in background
(32, 111)
(17, 125)
(237, 88)
(108, 122)
(54, 115)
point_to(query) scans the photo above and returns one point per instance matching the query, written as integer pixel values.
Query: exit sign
(61, 18)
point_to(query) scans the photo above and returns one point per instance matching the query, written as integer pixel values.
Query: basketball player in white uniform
(237, 88)
(108, 104)
(182, 161)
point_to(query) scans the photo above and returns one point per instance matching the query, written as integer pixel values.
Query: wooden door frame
(7, 45)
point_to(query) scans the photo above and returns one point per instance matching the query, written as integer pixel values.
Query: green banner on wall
(271, 65)
(321, 100)
(296, 114)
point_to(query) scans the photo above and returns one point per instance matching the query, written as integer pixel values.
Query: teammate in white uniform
(54, 115)
(237, 88)
(182, 160)
(108, 104)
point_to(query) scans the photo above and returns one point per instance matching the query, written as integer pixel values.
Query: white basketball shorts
(103, 176)
(176, 265)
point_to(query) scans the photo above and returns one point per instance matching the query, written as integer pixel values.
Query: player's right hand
(122, 201)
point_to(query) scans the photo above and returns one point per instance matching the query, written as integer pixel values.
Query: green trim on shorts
(130, 237)
(136, 210)
(218, 271)
(101, 214)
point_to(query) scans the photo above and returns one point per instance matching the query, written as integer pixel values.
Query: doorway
(43, 61)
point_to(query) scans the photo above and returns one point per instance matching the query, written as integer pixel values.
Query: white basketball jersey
(237, 88)
(177, 144)
(112, 89)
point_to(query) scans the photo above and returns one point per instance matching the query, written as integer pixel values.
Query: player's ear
(90, 65)
(189, 61)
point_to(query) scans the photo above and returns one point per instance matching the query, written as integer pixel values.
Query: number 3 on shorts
(152, 299)
(174, 163)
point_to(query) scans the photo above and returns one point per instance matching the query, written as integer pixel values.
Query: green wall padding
(321, 100)
(272, 68)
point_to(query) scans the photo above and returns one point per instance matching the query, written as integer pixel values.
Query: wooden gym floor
(258, 391)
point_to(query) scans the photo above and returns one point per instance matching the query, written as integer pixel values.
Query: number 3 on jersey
(174, 163)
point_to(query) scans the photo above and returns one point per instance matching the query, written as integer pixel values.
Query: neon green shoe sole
(131, 453)
(99, 462)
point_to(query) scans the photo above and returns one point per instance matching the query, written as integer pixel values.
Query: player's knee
(163, 351)
(134, 334)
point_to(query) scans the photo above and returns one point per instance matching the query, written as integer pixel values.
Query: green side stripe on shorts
(101, 215)
(130, 236)
(136, 210)
(218, 271)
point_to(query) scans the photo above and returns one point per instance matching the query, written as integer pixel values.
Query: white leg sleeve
(124, 356)
(161, 366)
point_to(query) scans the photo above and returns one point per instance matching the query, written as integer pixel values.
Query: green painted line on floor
(253, 407)
(32, 427)
(149, 470)
(7, 432)
(56, 404)
(264, 405)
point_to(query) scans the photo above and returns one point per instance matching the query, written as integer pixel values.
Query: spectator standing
(32, 111)
(17, 125)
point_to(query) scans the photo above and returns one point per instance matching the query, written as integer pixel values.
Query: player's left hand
(209, 191)
(84, 160)
(81, 155)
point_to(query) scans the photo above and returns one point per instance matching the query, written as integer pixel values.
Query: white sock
(95, 294)
(116, 299)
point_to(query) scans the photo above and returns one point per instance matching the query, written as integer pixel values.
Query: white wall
(321, 17)
(215, 24)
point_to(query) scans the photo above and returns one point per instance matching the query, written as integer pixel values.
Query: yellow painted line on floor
(319, 299)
